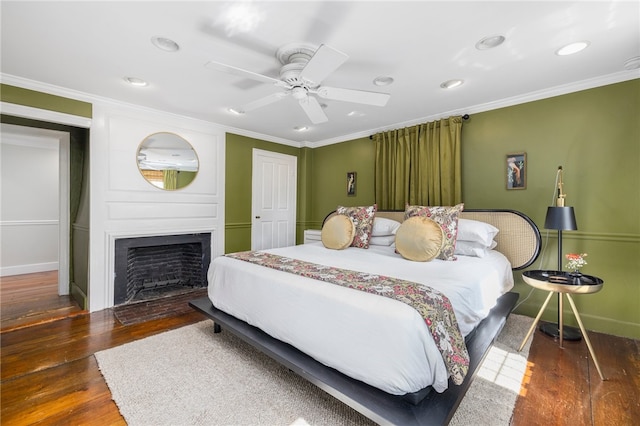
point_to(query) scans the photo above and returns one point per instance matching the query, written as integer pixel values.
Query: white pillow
(387, 240)
(476, 231)
(383, 227)
(470, 248)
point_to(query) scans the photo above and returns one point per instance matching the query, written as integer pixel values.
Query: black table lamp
(560, 218)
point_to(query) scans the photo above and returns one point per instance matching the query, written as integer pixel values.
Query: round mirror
(167, 161)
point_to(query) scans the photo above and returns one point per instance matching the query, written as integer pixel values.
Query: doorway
(71, 273)
(35, 202)
(273, 204)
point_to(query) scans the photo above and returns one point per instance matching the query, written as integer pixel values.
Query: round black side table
(563, 283)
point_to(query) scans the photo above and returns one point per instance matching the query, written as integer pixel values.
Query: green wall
(329, 177)
(26, 97)
(595, 135)
(238, 166)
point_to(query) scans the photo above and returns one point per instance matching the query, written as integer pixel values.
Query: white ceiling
(89, 47)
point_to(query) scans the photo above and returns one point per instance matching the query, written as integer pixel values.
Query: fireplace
(151, 267)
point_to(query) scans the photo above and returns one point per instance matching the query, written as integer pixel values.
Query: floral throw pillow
(362, 218)
(447, 218)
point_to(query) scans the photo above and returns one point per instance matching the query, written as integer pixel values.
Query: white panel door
(273, 219)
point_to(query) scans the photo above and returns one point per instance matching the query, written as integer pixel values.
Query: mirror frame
(178, 143)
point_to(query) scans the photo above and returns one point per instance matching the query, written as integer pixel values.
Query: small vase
(575, 276)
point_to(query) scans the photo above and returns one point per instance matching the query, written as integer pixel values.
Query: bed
(374, 353)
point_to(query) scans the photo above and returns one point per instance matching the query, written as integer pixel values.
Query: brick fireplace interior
(148, 268)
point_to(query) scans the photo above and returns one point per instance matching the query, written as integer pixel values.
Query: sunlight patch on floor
(504, 369)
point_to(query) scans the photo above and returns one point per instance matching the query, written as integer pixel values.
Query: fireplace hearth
(147, 268)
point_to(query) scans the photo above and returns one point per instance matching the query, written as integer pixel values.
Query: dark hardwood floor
(32, 299)
(50, 376)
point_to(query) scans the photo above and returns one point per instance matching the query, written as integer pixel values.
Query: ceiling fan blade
(351, 95)
(325, 61)
(244, 73)
(314, 111)
(275, 97)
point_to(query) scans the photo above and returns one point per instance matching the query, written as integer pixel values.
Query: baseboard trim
(7, 271)
(79, 296)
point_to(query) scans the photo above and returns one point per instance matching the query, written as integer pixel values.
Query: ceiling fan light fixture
(572, 48)
(137, 82)
(383, 81)
(450, 84)
(490, 42)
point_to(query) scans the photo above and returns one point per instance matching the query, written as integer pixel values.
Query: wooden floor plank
(30, 299)
(562, 385)
(618, 397)
(80, 396)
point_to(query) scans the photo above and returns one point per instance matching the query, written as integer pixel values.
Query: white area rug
(191, 376)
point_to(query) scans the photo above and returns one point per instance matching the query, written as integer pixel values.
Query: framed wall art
(517, 170)
(351, 183)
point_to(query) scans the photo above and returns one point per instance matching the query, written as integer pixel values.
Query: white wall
(124, 205)
(29, 176)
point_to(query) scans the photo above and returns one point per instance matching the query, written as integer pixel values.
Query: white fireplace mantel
(125, 205)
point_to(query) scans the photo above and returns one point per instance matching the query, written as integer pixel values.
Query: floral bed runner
(432, 305)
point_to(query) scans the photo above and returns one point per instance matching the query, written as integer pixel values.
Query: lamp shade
(561, 218)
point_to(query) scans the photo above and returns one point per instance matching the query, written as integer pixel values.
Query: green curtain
(170, 179)
(419, 165)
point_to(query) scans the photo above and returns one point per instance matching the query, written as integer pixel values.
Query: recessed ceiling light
(490, 42)
(165, 44)
(138, 82)
(632, 63)
(301, 128)
(356, 114)
(450, 84)
(383, 81)
(235, 111)
(572, 48)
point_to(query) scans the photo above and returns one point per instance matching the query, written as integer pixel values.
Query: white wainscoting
(29, 246)
(125, 205)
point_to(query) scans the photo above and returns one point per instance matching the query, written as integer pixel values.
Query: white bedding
(374, 339)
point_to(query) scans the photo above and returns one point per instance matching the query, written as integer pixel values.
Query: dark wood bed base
(383, 408)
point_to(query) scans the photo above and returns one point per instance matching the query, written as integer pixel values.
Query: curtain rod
(464, 117)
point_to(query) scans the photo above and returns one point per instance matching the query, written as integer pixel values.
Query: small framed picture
(517, 170)
(351, 183)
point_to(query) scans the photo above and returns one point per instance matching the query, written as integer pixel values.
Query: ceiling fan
(303, 70)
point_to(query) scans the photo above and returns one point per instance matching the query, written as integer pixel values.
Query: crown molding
(52, 116)
(551, 92)
(501, 103)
